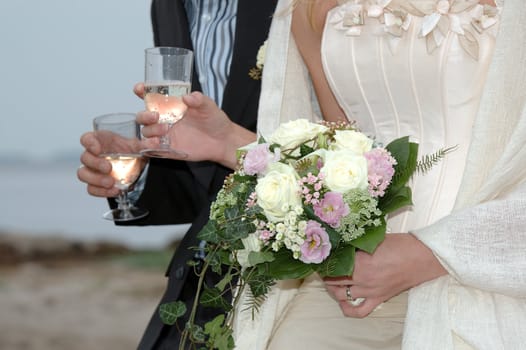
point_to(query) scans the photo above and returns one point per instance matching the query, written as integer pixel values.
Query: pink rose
(331, 208)
(257, 159)
(317, 245)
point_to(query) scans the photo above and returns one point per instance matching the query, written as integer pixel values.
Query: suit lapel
(253, 21)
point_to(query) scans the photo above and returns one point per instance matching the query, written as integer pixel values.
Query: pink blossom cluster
(251, 201)
(380, 165)
(263, 233)
(311, 186)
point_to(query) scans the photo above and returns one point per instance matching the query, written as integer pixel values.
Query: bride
(452, 272)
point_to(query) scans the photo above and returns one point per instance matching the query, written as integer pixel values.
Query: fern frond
(252, 303)
(428, 161)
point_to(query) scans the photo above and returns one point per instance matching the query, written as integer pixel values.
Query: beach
(87, 296)
(68, 278)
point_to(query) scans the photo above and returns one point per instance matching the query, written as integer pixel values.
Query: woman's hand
(400, 262)
(204, 133)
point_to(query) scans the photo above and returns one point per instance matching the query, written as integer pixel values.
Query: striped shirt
(212, 28)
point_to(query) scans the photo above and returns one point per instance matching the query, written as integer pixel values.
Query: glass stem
(164, 141)
(123, 204)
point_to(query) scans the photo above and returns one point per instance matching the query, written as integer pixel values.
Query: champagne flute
(168, 77)
(119, 136)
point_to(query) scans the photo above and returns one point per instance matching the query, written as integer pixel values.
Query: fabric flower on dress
(348, 17)
(484, 17)
(439, 18)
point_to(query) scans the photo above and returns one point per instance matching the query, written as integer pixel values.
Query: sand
(76, 304)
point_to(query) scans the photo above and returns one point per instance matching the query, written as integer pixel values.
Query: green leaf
(394, 200)
(255, 258)
(285, 267)
(225, 281)
(220, 335)
(305, 150)
(259, 284)
(232, 213)
(237, 229)
(339, 263)
(406, 154)
(215, 326)
(209, 232)
(196, 332)
(211, 297)
(170, 312)
(374, 235)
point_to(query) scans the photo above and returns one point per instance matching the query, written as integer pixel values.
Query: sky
(64, 62)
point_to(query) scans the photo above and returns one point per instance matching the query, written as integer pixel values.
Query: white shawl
(482, 302)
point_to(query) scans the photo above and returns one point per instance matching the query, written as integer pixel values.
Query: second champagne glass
(119, 136)
(168, 77)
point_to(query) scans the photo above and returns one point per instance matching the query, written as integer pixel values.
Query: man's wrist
(238, 138)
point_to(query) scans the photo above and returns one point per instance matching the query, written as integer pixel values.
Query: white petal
(375, 11)
(438, 37)
(407, 22)
(443, 7)
(477, 11)
(354, 31)
(455, 24)
(429, 23)
(488, 22)
(390, 19)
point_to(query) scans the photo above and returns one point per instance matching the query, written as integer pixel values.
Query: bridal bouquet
(301, 202)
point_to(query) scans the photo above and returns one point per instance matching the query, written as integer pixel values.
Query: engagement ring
(350, 299)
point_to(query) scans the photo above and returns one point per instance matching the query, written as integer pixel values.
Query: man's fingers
(95, 163)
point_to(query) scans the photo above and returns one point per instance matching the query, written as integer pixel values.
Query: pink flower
(258, 158)
(380, 166)
(265, 235)
(317, 246)
(331, 208)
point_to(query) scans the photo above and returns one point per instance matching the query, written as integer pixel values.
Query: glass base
(164, 153)
(131, 213)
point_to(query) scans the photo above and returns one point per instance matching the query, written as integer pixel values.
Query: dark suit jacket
(181, 192)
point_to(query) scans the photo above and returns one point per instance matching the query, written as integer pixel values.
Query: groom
(179, 192)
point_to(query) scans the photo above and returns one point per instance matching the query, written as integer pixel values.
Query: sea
(39, 198)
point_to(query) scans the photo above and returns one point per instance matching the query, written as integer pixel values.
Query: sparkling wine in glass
(119, 136)
(168, 77)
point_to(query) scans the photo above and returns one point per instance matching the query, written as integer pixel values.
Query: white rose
(344, 171)
(294, 133)
(278, 191)
(260, 58)
(351, 140)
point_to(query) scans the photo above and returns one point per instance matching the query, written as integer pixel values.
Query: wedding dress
(386, 76)
(397, 72)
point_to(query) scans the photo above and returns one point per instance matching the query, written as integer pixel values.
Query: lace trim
(468, 19)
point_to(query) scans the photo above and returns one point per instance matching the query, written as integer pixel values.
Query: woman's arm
(308, 20)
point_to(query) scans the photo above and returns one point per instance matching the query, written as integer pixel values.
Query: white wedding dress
(397, 74)
(481, 303)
